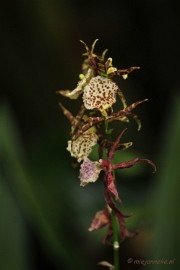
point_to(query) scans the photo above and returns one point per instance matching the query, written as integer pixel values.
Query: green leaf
(165, 244)
(15, 174)
(13, 243)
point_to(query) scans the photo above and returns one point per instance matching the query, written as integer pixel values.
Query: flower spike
(91, 126)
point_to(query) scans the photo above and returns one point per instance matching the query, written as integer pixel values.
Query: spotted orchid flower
(81, 147)
(90, 126)
(100, 93)
(89, 171)
(96, 84)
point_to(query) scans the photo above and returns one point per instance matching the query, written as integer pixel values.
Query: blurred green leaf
(14, 172)
(165, 244)
(13, 243)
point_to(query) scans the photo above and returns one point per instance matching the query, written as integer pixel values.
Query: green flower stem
(115, 240)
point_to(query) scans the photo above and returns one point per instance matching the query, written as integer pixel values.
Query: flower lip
(89, 172)
(82, 146)
(100, 93)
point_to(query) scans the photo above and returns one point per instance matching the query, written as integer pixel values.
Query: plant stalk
(116, 245)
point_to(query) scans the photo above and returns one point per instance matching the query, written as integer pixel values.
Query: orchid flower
(90, 126)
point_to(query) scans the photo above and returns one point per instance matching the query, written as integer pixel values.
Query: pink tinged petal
(101, 219)
(112, 204)
(115, 146)
(100, 93)
(104, 163)
(120, 216)
(109, 179)
(111, 186)
(107, 164)
(128, 164)
(124, 233)
(89, 172)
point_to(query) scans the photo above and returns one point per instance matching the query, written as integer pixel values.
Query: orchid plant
(98, 92)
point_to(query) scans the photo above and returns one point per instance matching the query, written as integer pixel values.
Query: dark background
(44, 213)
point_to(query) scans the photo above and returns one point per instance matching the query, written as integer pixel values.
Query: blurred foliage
(166, 238)
(17, 178)
(44, 213)
(55, 209)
